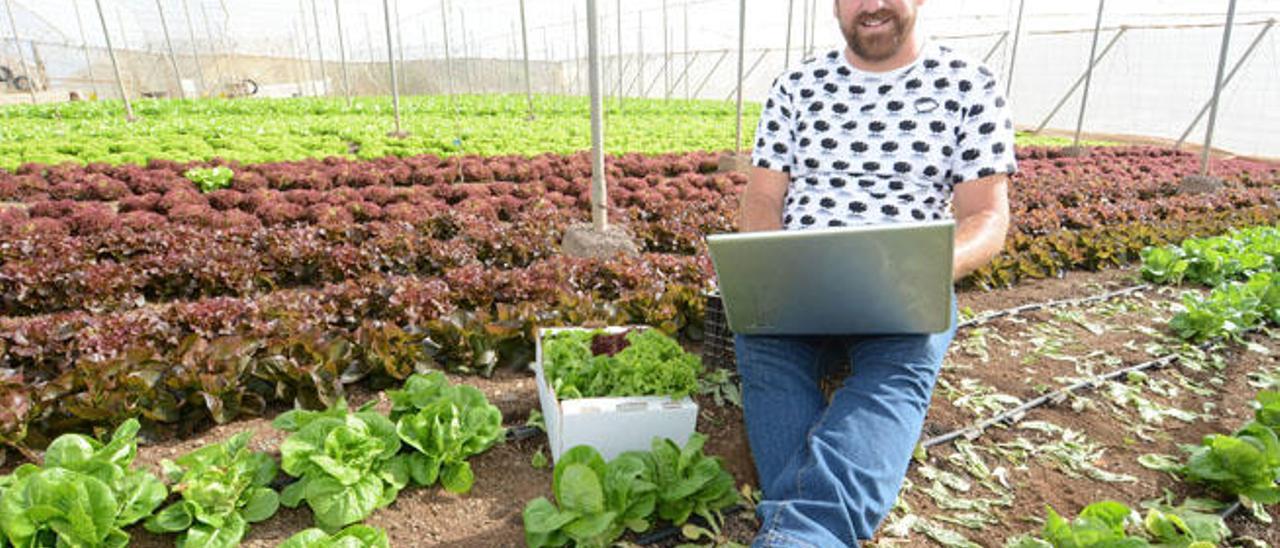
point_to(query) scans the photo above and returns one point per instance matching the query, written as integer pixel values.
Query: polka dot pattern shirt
(866, 148)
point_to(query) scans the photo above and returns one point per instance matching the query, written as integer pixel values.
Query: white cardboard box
(611, 425)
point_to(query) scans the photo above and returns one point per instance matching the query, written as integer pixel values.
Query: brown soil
(491, 514)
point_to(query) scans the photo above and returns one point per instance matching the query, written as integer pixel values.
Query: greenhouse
(384, 273)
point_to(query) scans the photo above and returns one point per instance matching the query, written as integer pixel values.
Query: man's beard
(882, 46)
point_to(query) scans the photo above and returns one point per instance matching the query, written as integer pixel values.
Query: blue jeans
(831, 472)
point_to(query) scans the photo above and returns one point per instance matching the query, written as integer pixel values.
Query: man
(890, 129)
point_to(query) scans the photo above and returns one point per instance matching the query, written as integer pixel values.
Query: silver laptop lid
(876, 279)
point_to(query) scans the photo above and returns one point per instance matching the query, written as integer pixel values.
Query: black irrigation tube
(984, 318)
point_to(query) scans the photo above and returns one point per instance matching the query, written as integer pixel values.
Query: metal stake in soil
(342, 52)
(599, 195)
(391, 66)
(1217, 88)
(524, 40)
(128, 107)
(324, 74)
(173, 58)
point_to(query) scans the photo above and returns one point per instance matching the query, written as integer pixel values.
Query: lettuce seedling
(224, 488)
(346, 463)
(1247, 463)
(355, 536)
(84, 495)
(446, 424)
(689, 482)
(598, 502)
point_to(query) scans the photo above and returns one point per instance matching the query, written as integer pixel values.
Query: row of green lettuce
(343, 465)
(270, 130)
(1240, 267)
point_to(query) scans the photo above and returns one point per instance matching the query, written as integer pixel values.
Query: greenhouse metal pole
(1088, 74)
(687, 61)
(524, 42)
(1004, 36)
(391, 65)
(84, 44)
(306, 44)
(22, 57)
(466, 52)
(813, 28)
(621, 93)
(173, 58)
(1230, 75)
(640, 55)
(1217, 88)
(666, 53)
(342, 52)
(577, 53)
(1013, 55)
(448, 57)
(804, 29)
(742, 59)
(324, 73)
(115, 65)
(195, 50)
(599, 192)
(791, 12)
(399, 45)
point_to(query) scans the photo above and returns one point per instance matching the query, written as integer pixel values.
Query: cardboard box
(611, 425)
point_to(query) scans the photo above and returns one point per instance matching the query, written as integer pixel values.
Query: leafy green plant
(640, 362)
(355, 536)
(446, 424)
(224, 488)
(1246, 463)
(1106, 524)
(689, 482)
(83, 495)
(210, 179)
(598, 501)
(720, 386)
(346, 463)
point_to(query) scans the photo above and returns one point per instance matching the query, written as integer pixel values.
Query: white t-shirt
(864, 147)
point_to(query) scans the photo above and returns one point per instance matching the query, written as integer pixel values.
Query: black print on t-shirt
(865, 147)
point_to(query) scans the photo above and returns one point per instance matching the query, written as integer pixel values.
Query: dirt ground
(988, 366)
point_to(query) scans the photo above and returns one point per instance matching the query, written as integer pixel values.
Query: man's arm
(761, 207)
(982, 219)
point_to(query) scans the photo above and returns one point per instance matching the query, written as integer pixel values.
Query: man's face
(876, 29)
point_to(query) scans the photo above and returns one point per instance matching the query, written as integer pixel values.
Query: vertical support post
(621, 92)
(342, 52)
(466, 52)
(577, 53)
(1230, 75)
(400, 45)
(1013, 55)
(195, 50)
(84, 45)
(742, 59)
(448, 57)
(1217, 87)
(666, 53)
(306, 45)
(22, 57)
(640, 47)
(791, 12)
(391, 66)
(173, 58)
(115, 65)
(813, 27)
(599, 191)
(686, 51)
(1080, 81)
(804, 29)
(324, 73)
(524, 39)
(1088, 74)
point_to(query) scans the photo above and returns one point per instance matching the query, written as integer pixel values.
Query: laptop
(880, 279)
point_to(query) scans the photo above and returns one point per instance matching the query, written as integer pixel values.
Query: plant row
(1240, 267)
(345, 465)
(185, 364)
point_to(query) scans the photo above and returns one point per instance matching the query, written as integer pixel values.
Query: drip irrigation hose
(984, 318)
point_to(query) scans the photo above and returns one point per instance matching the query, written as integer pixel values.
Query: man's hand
(761, 207)
(982, 219)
